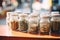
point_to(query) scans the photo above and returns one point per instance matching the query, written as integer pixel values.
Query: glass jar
(23, 24)
(33, 24)
(14, 21)
(8, 18)
(55, 24)
(44, 25)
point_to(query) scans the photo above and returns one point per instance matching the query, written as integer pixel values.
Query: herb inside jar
(33, 28)
(14, 25)
(44, 28)
(23, 23)
(55, 26)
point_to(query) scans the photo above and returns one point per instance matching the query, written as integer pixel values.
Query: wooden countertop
(5, 31)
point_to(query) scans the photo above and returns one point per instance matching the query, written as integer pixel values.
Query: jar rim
(56, 15)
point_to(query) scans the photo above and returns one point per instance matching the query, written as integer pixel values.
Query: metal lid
(55, 14)
(47, 16)
(23, 15)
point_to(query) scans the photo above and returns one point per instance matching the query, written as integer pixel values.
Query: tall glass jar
(23, 24)
(55, 24)
(14, 21)
(33, 24)
(44, 25)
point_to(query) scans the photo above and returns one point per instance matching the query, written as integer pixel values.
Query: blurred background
(23, 6)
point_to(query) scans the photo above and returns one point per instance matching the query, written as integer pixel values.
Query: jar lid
(55, 14)
(45, 16)
(33, 15)
(14, 14)
(23, 15)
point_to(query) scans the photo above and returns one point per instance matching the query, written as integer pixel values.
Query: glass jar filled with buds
(14, 21)
(23, 23)
(55, 23)
(33, 23)
(44, 25)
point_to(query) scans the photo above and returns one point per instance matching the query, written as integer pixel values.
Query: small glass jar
(23, 24)
(33, 24)
(55, 24)
(8, 18)
(44, 25)
(14, 21)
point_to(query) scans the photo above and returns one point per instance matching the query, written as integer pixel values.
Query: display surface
(5, 31)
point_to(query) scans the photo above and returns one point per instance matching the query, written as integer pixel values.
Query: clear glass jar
(23, 24)
(14, 21)
(44, 25)
(33, 24)
(8, 18)
(55, 24)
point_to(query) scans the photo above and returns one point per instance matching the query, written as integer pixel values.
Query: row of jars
(34, 23)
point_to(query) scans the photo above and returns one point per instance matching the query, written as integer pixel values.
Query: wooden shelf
(5, 31)
(20, 34)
